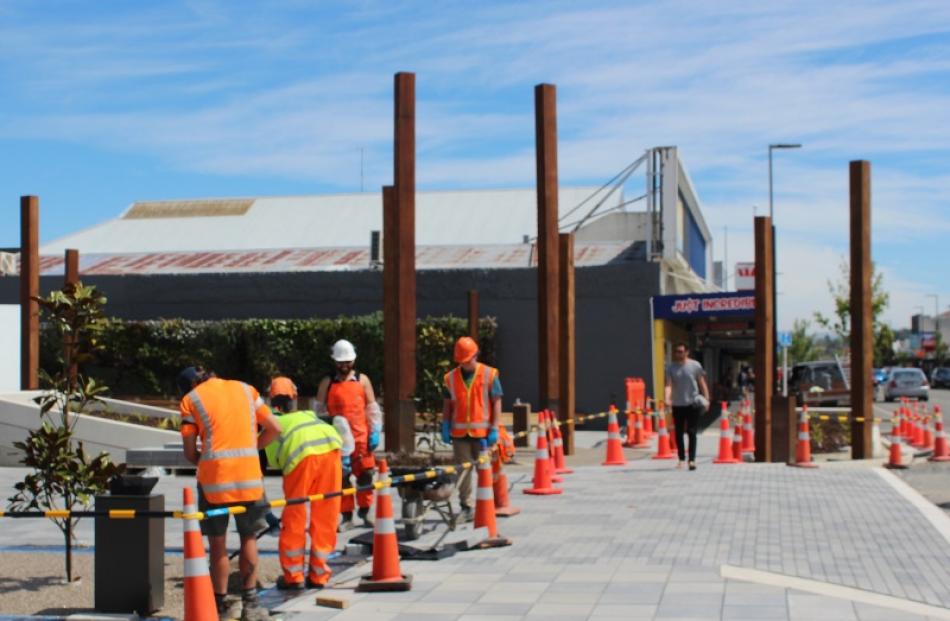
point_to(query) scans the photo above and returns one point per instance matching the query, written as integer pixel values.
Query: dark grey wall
(613, 312)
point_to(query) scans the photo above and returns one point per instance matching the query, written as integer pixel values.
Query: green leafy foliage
(143, 357)
(62, 475)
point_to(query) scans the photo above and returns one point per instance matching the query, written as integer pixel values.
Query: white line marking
(937, 518)
(833, 590)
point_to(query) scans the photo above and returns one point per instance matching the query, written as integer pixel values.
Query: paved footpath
(646, 541)
(751, 541)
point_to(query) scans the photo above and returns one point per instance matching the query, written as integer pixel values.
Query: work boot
(467, 514)
(252, 609)
(363, 514)
(228, 607)
(314, 585)
(283, 585)
(346, 522)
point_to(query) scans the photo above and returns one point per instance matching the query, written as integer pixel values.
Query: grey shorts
(249, 523)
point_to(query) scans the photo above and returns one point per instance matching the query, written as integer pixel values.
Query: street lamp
(772, 147)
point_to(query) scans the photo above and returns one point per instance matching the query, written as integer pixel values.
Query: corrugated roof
(443, 218)
(326, 259)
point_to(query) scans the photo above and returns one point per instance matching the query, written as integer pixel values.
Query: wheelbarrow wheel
(412, 511)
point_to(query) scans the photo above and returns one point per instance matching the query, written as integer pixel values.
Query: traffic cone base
(386, 574)
(804, 464)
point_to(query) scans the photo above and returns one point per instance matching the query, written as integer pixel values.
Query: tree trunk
(69, 550)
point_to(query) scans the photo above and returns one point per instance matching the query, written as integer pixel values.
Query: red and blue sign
(704, 305)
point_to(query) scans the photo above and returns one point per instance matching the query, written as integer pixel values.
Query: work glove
(373, 439)
(446, 432)
(346, 463)
(492, 438)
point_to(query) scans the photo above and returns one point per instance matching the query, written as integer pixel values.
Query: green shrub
(142, 358)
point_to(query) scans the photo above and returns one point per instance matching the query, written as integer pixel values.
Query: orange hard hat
(465, 349)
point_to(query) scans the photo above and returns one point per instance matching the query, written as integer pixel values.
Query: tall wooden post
(71, 278)
(764, 334)
(473, 314)
(862, 337)
(399, 272)
(545, 114)
(566, 341)
(29, 289)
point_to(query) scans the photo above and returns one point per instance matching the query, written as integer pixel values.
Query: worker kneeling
(308, 453)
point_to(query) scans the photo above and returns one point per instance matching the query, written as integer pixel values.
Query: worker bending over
(470, 412)
(308, 454)
(226, 414)
(349, 395)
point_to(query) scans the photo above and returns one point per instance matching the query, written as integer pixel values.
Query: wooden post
(764, 344)
(784, 425)
(567, 360)
(545, 112)
(473, 314)
(520, 419)
(862, 336)
(29, 289)
(400, 248)
(71, 278)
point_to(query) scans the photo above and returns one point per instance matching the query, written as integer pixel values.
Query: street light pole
(772, 147)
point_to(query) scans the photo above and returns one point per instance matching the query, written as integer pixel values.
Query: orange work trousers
(316, 474)
(363, 463)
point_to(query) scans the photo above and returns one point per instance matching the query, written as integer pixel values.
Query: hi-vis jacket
(225, 415)
(472, 411)
(301, 434)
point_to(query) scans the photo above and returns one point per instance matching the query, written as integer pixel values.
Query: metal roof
(443, 218)
(329, 259)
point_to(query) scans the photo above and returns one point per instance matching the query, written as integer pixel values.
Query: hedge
(142, 358)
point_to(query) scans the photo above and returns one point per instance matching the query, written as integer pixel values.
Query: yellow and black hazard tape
(129, 514)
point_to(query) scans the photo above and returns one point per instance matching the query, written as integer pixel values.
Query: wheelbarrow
(423, 496)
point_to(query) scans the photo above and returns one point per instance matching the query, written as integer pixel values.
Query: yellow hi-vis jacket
(302, 434)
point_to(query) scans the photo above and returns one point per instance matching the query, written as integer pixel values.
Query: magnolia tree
(63, 476)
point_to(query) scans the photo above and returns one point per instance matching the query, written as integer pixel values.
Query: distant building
(304, 256)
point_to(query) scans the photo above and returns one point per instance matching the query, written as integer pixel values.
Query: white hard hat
(343, 351)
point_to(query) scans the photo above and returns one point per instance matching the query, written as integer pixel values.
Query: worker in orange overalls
(349, 395)
(226, 415)
(470, 413)
(308, 454)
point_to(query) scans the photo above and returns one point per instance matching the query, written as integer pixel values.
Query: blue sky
(104, 103)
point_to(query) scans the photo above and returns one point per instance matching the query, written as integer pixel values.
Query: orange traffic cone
(485, 503)
(672, 430)
(386, 574)
(803, 448)
(928, 434)
(748, 429)
(648, 424)
(904, 426)
(199, 594)
(631, 427)
(941, 452)
(894, 458)
(503, 507)
(918, 440)
(542, 468)
(560, 467)
(725, 438)
(737, 439)
(545, 420)
(639, 438)
(663, 441)
(615, 456)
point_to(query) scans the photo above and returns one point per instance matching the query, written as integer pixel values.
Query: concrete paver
(646, 541)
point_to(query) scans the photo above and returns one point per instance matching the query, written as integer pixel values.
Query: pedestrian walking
(470, 413)
(226, 415)
(688, 394)
(349, 394)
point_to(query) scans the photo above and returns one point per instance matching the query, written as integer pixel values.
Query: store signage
(745, 276)
(704, 305)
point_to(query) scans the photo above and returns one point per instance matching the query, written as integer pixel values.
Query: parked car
(908, 382)
(940, 378)
(819, 383)
(880, 375)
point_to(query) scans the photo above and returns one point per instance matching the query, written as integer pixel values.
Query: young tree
(804, 345)
(63, 476)
(839, 321)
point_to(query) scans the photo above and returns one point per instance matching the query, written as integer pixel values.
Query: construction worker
(470, 413)
(280, 386)
(226, 415)
(349, 395)
(308, 454)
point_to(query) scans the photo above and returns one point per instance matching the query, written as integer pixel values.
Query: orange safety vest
(225, 413)
(347, 398)
(472, 403)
